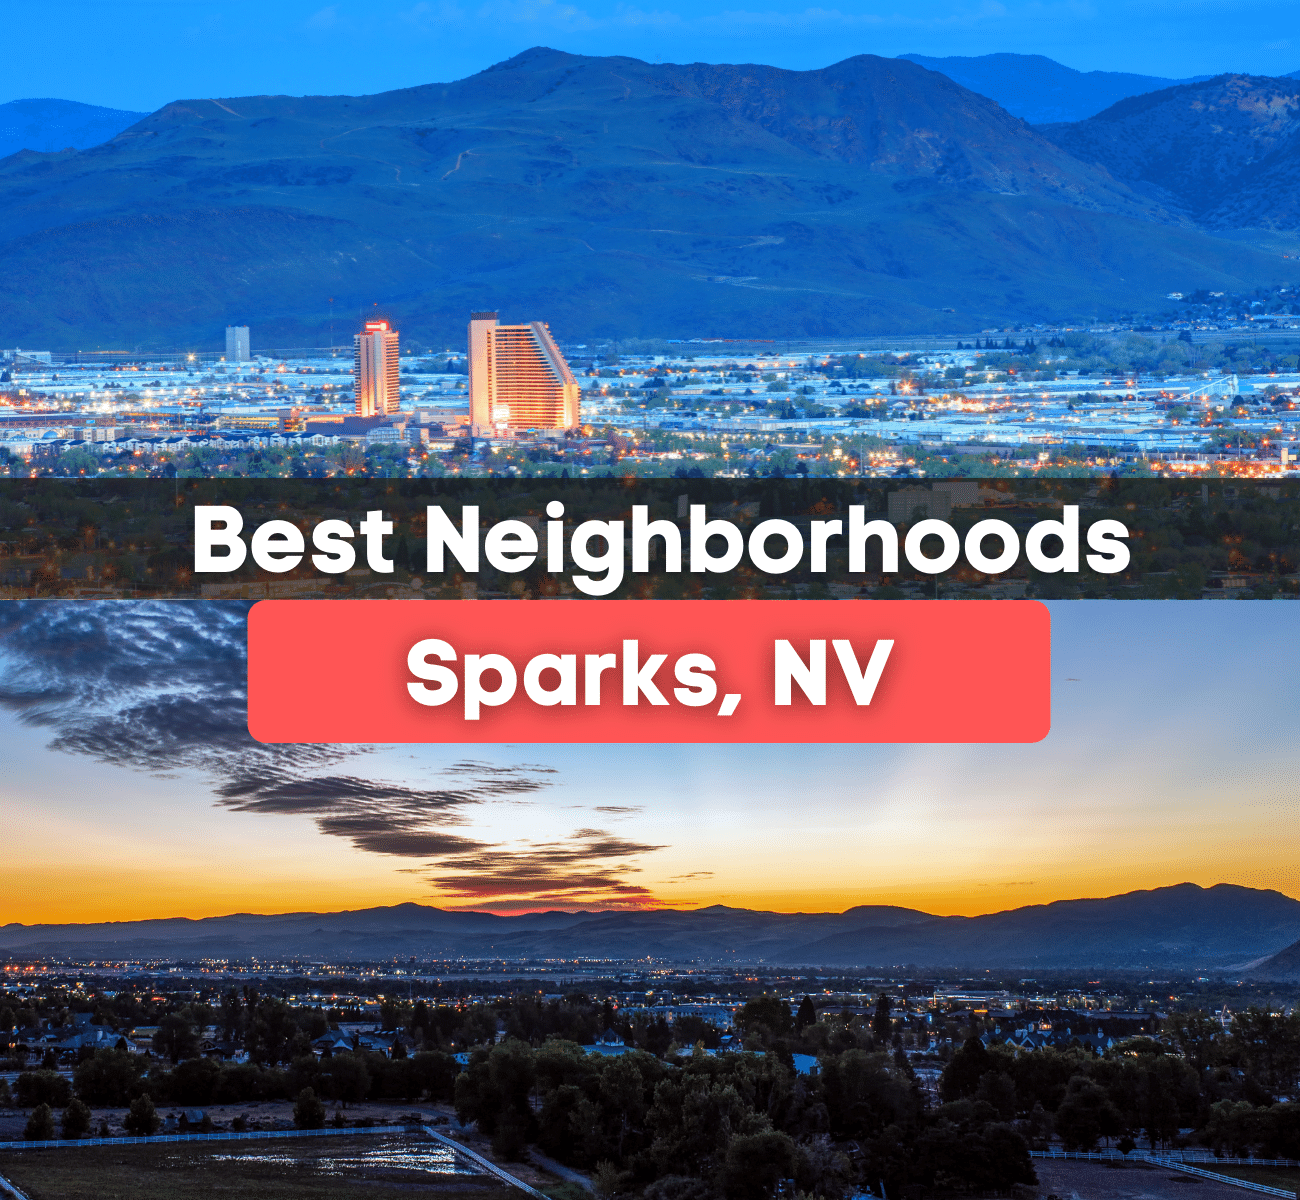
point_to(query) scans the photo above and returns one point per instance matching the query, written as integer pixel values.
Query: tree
(961, 1078)
(345, 1078)
(142, 1118)
(232, 1016)
(40, 1125)
(308, 1111)
(437, 1073)
(1199, 1037)
(109, 1078)
(881, 1025)
(1160, 1115)
(998, 1089)
(605, 1180)
(1085, 1115)
(757, 1164)
(764, 1015)
(42, 1087)
(273, 1035)
(807, 1015)
(1269, 1045)
(194, 1082)
(864, 1094)
(76, 1120)
(1039, 1127)
(175, 1038)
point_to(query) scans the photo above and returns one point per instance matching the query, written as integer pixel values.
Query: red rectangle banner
(648, 671)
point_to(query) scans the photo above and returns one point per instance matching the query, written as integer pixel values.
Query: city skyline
(134, 791)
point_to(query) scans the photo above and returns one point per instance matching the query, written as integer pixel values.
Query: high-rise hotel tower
(237, 343)
(374, 370)
(518, 378)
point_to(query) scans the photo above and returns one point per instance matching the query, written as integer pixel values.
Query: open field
(325, 1169)
(1278, 1177)
(1125, 1181)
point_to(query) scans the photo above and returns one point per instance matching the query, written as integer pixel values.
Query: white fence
(64, 1143)
(1187, 1169)
(490, 1167)
(1182, 1156)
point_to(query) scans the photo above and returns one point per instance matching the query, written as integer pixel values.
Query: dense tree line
(735, 1125)
(115, 1078)
(674, 1122)
(1232, 1088)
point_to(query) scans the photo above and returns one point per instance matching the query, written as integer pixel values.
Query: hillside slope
(1225, 152)
(1282, 967)
(606, 195)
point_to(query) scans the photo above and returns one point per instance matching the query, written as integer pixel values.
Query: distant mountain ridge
(1282, 967)
(1039, 89)
(53, 125)
(1184, 927)
(1225, 152)
(609, 196)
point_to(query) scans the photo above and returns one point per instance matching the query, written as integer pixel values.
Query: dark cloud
(159, 686)
(382, 817)
(590, 864)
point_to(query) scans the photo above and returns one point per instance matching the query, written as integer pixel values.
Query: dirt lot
(1101, 1181)
(329, 1168)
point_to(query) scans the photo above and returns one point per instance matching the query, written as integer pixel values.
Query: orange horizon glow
(67, 895)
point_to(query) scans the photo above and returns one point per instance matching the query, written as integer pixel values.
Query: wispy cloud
(160, 687)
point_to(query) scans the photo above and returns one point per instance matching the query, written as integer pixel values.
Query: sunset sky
(131, 788)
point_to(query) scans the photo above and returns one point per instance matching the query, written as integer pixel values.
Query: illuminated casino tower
(374, 370)
(518, 378)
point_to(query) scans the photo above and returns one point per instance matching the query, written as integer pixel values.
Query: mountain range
(1185, 927)
(1039, 89)
(59, 124)
(614, 197)
(1224, 153)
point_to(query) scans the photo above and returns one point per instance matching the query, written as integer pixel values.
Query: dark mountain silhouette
(1225, 152)
(1183, 927)
(1041, 90)
(1282, 967)
(57, 124)
(606, 195)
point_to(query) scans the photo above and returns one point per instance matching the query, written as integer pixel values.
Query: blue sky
(131, 788)
(140, 54)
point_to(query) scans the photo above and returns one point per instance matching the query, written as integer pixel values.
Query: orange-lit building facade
(518, 378)
(375, 379)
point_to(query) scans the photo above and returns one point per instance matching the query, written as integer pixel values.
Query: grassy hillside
(608, 196)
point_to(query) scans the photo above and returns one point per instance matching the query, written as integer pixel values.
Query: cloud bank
(159, 687)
